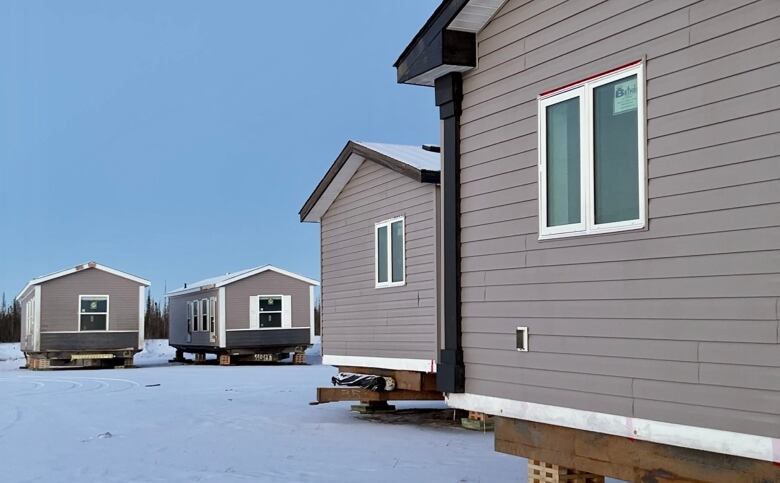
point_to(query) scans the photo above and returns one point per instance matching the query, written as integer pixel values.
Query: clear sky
(177, 140)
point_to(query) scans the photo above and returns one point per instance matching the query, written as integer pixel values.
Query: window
(592, 156)
(390, 253)
(270, 311)
(213, 314)
(204, 315)
(195, 316)
(190, 325)
(93, 312)
(29, 316)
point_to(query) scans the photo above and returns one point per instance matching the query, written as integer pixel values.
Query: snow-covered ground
(164, 422)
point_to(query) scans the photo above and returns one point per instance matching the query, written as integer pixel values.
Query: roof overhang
(241, 276)
(342, 170)
(79, 268)
(447, 42)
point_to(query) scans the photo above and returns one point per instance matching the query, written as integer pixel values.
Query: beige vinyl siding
(60, 300)
(178, 328)
(676, 323)
(357, 318)
(266, 283)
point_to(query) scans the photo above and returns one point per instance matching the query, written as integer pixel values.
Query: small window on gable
(390, 266)
(592, 156)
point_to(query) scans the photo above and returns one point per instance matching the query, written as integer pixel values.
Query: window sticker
(624, 97)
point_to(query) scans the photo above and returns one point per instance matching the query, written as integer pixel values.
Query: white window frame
(108, 310)
(212, 328)
(389, 254)
(190, 325)
(280, 312)
(204, 325)
(584, 90)
(195, 316)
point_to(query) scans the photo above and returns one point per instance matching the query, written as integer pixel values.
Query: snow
(414, 156)
(175, 422)
(171, 422)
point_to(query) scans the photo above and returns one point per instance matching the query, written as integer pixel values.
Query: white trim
(106, 313)
(221, 322)
(419, 365)
(584, 91)
(141, 315)
(389, 255)
(79, 268)
(705, 439)
(37, 341)
(311, 314)
(241, 276)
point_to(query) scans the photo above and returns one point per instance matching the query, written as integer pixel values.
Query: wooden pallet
(38, 364)
(299, 358)
(224, 360)
(477, 421)
(541, 472)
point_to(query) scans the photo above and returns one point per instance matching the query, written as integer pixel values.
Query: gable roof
(228, 278)
(78, 268)
(420, 164)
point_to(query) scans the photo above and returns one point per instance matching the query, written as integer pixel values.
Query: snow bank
(11, 357)
(156, 351)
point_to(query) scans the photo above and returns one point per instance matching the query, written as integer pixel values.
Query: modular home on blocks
(611, 212)
(377, 207)
(258, 314)
(86, 316)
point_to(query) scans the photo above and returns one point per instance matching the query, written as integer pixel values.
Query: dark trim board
(240, 339)
(450, 373)
(434, 46)
(88, 341)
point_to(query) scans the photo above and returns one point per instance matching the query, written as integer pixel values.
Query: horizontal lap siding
(677, 323)
(177, 315)
(237, 296)
(60, 300)
(357, 318)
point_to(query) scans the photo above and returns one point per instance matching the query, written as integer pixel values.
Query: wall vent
(522, 339)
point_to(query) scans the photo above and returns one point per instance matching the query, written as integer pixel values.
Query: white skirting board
(705, 439)
(419, 365)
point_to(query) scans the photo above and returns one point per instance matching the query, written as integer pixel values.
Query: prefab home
(377, 207)
(258, 314)
(611, 211)
(88, 315)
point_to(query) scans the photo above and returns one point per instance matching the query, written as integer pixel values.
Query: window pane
(397, 231)
(270, 320)
(270, 304)
(93, 322)
(563, 163)
(615, 152)
(94, 304)
(381, 253)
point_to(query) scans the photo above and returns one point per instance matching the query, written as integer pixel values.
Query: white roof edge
(78, 268)
(242, 275)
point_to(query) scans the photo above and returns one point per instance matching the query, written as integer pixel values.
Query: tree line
(155, 321)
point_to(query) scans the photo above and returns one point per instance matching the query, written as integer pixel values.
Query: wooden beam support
(335, 394)
(624, 458)
(409, 380)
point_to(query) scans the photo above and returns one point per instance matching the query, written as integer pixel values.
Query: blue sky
(177, 140)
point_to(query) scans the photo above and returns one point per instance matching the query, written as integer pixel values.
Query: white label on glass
(625, 97)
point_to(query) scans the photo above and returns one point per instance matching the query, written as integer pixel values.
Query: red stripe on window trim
(581, 81)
